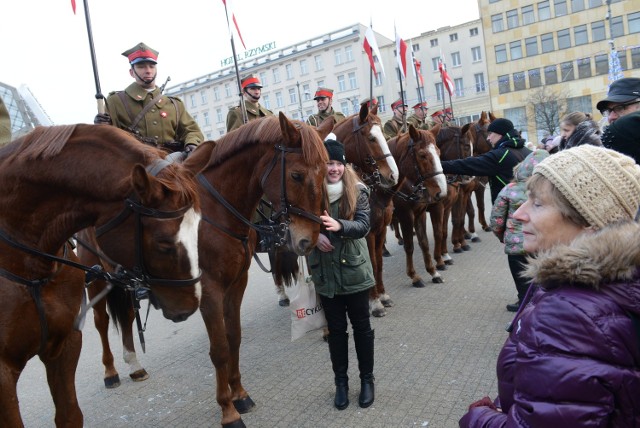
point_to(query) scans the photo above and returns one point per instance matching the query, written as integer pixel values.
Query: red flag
(73, 6)
(401, 55)
(418, 68)
(446, 80)
(371, 48)
(228, 8)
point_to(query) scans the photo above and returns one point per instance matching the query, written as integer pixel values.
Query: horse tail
(118, 305)
(284, 266)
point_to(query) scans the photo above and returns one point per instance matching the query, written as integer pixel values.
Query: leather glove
(102, 119)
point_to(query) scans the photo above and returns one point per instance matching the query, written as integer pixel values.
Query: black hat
(621, 91)
(623, 135)
(501, 126)
(335, 150)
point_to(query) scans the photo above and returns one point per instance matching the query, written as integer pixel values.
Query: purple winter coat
(572, 358)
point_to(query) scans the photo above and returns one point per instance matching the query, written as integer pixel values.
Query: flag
(446, 80)
(615, 70)
(401, 55)
(73, 6)
(371, 48)
(228, 8)
(418, 69)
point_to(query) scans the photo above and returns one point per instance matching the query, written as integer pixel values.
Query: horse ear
(290, 133)
(364, 112)
(145, 186)
(483, 117)
(326, 127)
(413, 132)
(435, 130)
(465, 128)
(374, 109)
(491, 116)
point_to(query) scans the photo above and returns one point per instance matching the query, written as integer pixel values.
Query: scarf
(335, 191)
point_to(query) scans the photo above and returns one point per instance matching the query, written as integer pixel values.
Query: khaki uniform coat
(392, 128)
(254, 111)
(417, 122)
(316, 119)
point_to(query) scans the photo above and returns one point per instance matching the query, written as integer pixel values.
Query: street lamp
(300, 100)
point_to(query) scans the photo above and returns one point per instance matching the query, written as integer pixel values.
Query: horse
(272, 156)
(417, 157)
(57, 181)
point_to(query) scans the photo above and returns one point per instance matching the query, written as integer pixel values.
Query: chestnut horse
(57, 181)
(272, 156)
(417, 157)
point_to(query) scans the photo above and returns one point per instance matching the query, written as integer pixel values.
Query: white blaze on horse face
(188, 237)
(437, 166)
(376, 131)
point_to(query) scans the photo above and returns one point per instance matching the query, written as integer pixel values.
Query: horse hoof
(467, 236)
(284, 302)
(466, 248)
(457, 250)
(437, 280)
(400, 242)
(112, 381)
(486, 228)
(442, 267)
(244, 405)
(387, 303)
(378, 312)
(386, 253)
(476, 239)
(418, 284)
(139, 375)
(448, 262)
(235, 424)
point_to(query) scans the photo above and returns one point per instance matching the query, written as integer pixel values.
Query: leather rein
(372, 180)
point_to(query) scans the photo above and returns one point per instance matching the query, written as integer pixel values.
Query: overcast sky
(45, 46)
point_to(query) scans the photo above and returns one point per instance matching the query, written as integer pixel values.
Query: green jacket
(316, 119)
(254, 111)
(166, 122)
(5, 124)
(417, 122)
(392, 128)
(347, 269)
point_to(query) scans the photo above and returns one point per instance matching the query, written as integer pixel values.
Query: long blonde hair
(350, 193)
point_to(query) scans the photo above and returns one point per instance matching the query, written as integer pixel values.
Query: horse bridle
(372, 180)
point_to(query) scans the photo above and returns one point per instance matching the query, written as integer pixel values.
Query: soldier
(252, 89)
(396, 124)
(419, 117)
(5, 124)
(324, 98)
(442, 117)
(142, 109)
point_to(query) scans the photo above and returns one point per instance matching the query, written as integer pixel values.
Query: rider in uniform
(324, 98)
(419, 117)
(395, 125)
(142, 109)
(251, 89)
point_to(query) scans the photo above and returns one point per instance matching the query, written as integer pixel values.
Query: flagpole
(94, 63)
(371, 72)
(243, 108)
(415, 69)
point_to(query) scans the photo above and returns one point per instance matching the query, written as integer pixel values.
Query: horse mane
(186, 190)
(43, 142)
(447, 133)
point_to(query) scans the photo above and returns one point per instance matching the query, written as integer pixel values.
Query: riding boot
(339, 351)
(364, 350)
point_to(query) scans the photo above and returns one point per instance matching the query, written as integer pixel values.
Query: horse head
(366, 148)
(453, 143)
(477, 132)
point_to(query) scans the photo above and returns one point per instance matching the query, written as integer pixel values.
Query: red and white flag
(371, 48)
(228, 8)
(446, 80)
(401, 54)
(418, 69)
(73, 6)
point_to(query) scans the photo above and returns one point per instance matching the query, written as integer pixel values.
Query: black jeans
(355, 305)
(517, 264)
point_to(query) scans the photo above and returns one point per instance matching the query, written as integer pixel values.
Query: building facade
(24, 109)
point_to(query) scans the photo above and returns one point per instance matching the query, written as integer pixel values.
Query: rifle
(165, 84)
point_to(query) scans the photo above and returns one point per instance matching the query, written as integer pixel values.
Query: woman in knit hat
(572, 358)
(342, 273)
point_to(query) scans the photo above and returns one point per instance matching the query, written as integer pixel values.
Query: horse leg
(101, 321)
(480, 189)
(9, 408)
(420, 226)
(471, 224)
(395, 225)
(439, 251)
(406, 224)
(136, 372)
(61, 374)
(458, 213)
(375, 253)
(283, 299)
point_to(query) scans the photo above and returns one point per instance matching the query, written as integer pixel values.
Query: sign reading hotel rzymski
(249, 53)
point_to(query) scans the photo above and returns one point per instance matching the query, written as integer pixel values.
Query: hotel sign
(249, 53)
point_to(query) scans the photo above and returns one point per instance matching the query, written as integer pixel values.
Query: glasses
(618, 109)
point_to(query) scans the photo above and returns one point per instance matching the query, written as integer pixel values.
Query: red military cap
(397, 104)
(422, 104)
(438, 113)
(251, 81)
(323, 93)
(141, 53)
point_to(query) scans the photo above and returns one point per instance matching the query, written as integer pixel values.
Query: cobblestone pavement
(435, 353)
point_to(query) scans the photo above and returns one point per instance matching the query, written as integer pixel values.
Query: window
(381, 105)
(635, 57)
(519, 81)
(564, 39)
(267, 101)
(580, 35)
(584, 68)
(459, 87)
(504, 84)
(633, 22)
(527, 15)
(455, 59)
(622, 56)
(501, 53)
(597, 31)
(195, 119)
(594, 3)
(550, 74)
(306, 92)
(535, 80)
(337, 56)
(439, 91)
(602, 64)
(560, 7)
(434, 63)
(577, 6)
(348, 53)
(544, 10)
(531, 44)
(320, 83)
(518, 116)
(276, 76)
(318, 62)
(353, 82)
(415, 47)
(480, 85)
(566, 71)
(579, 104)
(293, 96)
(227, 90)
(512, 19)
(476, 54)
(263, 78)
(496, 23)
(216, 93)
(304, 69)
(341, 83)
(219, 117)
(207, 119)
(192, 99)
(617, 28)
(203, 97)
(515, 48)
(546, 40)
(433, 42)
(453, 37)
(377, 78)
(344, 107)
(473, 32)
(279, 100)
(289, 71)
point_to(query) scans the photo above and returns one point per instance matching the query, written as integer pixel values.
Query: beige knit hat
(601, 184)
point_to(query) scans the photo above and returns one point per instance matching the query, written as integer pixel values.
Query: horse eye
(297, 176)
(166, 247)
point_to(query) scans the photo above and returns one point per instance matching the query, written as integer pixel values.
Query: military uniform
(316, 119)
(417, 122)
(5, 124)
(254, 111)
(392, 128)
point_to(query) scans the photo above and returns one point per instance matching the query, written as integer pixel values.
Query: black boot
(339, 351)
(364, 350)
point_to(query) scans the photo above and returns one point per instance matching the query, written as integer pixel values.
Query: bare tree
(545, 106)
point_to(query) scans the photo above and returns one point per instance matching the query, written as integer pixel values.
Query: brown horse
(56, 181)
(283, 160)
(417, 157)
